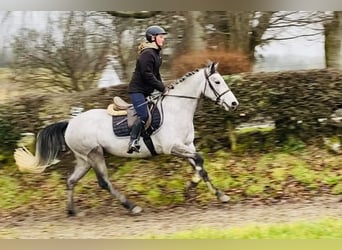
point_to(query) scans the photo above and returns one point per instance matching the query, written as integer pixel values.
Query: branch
(130, 14)
(259, 30)
(291, 37)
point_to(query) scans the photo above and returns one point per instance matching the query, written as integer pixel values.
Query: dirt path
(93, 224)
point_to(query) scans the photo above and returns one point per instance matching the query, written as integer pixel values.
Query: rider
(146, 78)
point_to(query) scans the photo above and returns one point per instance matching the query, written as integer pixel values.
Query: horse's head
(217, 89)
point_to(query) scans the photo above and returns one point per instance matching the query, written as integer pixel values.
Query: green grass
(160, 182)
(12, 194)
(326, 228)
(254, 129)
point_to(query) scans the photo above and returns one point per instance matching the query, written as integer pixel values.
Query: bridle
(207, 82)
(217, 95)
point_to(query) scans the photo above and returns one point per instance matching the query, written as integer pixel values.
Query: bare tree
(333, 41)
(129, 28)
(235, 31)
(67, 60)
(244, 31)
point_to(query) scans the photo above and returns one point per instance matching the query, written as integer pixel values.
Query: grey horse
(90, 134)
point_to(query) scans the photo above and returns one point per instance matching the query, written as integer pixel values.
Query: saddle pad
(120, 126)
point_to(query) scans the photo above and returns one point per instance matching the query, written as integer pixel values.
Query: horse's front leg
(196, 178)
(197, 162)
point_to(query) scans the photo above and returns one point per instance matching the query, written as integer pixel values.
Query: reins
(161, 97)
(181, 96)
(207, 82)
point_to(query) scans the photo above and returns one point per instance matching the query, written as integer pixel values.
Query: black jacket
(146, 77)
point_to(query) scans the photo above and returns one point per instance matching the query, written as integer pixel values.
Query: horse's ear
(213, 67)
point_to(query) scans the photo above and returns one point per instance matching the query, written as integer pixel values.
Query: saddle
(124, 116)
(119, 107)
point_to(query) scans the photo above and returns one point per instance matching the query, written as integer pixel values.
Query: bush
(18, 117)
(9, 132)
(229, 62)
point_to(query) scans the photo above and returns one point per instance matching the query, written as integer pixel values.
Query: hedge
(294, 100)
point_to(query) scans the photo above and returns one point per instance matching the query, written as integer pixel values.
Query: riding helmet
(154, 31)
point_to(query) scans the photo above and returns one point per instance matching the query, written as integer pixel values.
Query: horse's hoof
(223, 197)
(71, 213)
(136, 210)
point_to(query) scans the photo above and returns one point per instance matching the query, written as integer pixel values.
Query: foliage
(294, 100)
(9, 130)
(229, 62)
(303, 97)
(19, 117)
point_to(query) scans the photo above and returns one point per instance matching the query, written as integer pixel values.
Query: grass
(13, 195)
(254, 129)
(326, 228)
(161, 182)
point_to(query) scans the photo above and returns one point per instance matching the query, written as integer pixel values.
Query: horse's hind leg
(99, 165)
(81, 168)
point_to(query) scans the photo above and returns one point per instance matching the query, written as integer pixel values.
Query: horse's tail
(50, 141)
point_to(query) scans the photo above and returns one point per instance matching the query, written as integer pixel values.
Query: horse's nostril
(234, 103)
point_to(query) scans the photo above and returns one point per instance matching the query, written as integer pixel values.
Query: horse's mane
(183, 78)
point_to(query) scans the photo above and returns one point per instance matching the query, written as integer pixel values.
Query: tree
(130, 26)
(188, 30)
(244, 31)
(69, 59)
(233, 31)
(333, 41)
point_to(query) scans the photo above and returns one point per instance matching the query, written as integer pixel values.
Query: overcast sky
(296, 52)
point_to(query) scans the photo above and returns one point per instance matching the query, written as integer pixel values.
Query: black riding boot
(133, 145)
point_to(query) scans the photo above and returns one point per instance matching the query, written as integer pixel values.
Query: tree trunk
(194, 38)
(333, 41)
(239, 27)
(244, 37)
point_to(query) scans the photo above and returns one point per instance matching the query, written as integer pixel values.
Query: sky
(299, 53)
(291, 55)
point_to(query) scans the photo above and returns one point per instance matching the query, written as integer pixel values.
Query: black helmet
(153, 31)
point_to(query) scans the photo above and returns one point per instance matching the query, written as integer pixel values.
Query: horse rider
(145, 79)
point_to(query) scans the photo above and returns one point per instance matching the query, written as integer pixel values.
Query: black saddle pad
(120, 126)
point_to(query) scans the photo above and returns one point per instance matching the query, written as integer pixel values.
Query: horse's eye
(217, 82)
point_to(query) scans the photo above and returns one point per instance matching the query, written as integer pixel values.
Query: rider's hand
(166, 90)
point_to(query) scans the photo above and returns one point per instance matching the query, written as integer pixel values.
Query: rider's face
(160, 40)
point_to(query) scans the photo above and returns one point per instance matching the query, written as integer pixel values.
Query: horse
(90, 134)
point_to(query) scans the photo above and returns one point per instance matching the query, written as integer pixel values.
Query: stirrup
(133, 147)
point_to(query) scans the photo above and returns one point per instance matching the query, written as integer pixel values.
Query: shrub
(16, 118)
(229, 62)
(9, 131)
